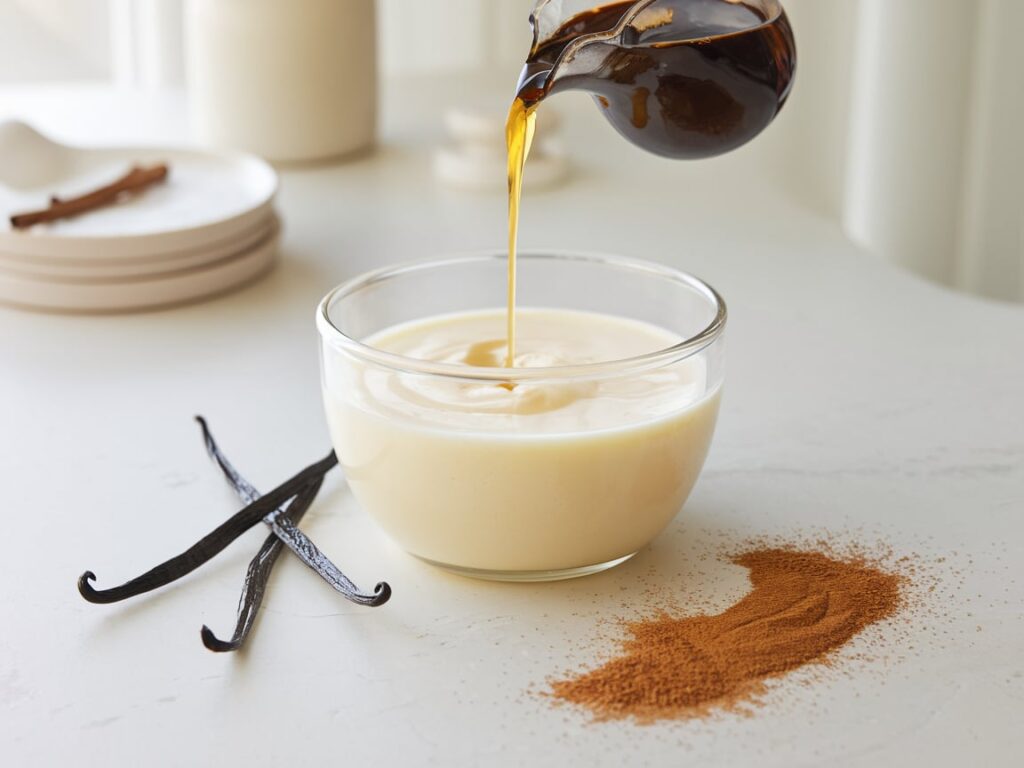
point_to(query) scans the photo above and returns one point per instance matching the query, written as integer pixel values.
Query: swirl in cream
(548, 473)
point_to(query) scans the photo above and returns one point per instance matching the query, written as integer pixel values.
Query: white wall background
(86, 40)
(45, 40)
(449, 35)
(905, 123)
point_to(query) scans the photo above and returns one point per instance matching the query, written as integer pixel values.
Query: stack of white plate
(208, 228)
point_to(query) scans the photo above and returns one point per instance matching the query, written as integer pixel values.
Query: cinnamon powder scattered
(803, 606)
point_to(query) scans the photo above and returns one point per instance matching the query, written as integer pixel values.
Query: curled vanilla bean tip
(215, 644)
(86, 590)
(381, 594)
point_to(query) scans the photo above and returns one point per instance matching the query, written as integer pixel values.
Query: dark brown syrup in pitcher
(686, 79)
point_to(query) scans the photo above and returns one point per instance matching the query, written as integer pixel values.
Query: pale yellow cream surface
(541, 476)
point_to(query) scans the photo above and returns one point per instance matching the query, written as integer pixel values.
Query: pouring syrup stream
(518, 138)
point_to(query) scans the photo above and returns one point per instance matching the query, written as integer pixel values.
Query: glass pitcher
(681, 78)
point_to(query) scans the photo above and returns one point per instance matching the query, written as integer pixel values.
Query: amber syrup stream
(518, 138)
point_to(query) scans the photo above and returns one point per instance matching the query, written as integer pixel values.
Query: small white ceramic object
(207, 198)
(483, 123)
(476, 158)
(147, 292)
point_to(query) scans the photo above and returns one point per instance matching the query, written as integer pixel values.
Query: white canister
(289, 80)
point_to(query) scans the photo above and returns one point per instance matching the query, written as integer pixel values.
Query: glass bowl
(517, 494)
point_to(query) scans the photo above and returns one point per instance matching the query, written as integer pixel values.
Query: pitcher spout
(571, 40)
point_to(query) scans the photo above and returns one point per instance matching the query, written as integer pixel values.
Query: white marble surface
(859, 401)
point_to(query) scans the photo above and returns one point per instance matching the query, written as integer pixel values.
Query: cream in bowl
(564, 464)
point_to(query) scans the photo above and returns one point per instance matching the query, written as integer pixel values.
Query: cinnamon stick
(137, 179)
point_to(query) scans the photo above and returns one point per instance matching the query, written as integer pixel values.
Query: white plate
(45, 268)
(145, 293)
(208, 197)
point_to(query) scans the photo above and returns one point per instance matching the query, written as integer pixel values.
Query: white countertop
(859, 401)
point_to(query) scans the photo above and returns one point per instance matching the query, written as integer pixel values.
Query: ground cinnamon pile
(803, 605)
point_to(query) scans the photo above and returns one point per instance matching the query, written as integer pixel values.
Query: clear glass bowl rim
(336, 338)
